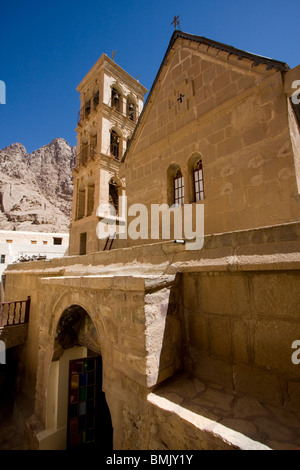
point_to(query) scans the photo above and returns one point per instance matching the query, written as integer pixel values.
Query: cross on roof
(175, 22)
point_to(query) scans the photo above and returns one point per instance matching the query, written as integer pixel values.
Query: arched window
(96, 99)
(198, 181)
(84, 152)
(80, 201)
(178, 188)
(114, 144)
(90, 196)
(131, 113)
(115, 99)
(93, 145)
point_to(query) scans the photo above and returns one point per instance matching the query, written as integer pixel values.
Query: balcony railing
(14, 313)
(87, 153)
(89, 106)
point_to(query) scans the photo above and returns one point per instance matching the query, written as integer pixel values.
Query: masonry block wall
(240, 329)
(235, 118)
(226, 314)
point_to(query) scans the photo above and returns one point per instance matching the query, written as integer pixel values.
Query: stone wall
(240, 328)
(235, 118)
(226, 314)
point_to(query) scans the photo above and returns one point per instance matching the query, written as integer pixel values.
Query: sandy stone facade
(111, 103)
(236, 118)
(195, 345)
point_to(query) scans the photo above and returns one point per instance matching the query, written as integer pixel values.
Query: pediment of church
(196, 78)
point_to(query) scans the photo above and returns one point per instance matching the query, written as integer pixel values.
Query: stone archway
(76, 347)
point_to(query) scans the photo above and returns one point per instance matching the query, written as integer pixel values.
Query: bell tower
(110, 104)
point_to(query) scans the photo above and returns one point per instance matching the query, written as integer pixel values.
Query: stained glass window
(82, 402)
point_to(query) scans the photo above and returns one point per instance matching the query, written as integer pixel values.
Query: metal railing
(89, 106)
(14, 313)
(89, 151)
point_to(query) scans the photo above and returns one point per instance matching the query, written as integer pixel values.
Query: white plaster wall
(21, 245)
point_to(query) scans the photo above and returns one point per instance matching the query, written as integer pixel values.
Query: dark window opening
(198, 181)
(115, 99)
(81, 201)
(82, 248)
(96, 99)
(2, 259)
(178, 188)
(57, 241)
(114, 144)
(114, 195)
(131, 111)
(87, 108)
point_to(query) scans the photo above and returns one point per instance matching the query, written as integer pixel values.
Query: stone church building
(148, 342)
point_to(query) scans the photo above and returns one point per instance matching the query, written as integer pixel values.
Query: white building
(18, 246)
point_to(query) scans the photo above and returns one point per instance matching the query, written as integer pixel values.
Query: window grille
(198, 181)
(179, 188)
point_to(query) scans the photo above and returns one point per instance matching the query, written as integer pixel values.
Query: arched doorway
(81, 415)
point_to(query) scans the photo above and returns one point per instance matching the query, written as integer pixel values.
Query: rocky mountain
(36, 188)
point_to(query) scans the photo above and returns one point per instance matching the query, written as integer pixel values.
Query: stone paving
(10, 437)
(276, 428)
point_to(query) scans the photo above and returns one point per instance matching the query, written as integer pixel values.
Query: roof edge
(270, 63)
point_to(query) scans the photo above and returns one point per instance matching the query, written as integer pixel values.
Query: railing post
(8, 313)
(13, 315)
(15, 311)
(27, 310)
(2, 311)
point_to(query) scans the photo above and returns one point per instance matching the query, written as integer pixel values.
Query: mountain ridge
(36, 188)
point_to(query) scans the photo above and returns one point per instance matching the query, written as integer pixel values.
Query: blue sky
(47, 47)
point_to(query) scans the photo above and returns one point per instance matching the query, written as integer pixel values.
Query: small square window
(2, 259)
(33, 242)
(57, 241)
(9, 241)
(45, 242)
